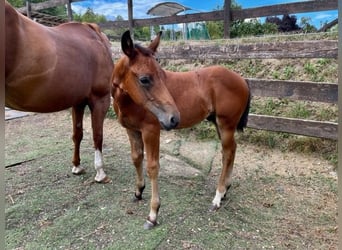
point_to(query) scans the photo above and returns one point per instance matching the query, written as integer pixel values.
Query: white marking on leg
(100, 174)
(218, 198)
(78, 169)
(152, 216)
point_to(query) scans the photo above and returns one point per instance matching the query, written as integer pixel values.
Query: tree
(90, 17)
(286, 24)
(16, 3)
(251, 28)
(239, 28)
(306, 26)
(54, 11)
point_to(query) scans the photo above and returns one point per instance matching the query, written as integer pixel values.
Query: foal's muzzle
(172, 123)
(168, 116)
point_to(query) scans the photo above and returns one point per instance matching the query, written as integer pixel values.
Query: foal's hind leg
(77, 122)
(228, 155)
(98, 109)
(137, 155)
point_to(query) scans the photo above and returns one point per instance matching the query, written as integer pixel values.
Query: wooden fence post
(69, 10)
(227, 18)
(130, 17)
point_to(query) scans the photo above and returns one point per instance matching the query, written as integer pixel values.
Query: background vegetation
(239, 28)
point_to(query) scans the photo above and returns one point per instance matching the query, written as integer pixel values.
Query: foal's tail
(244, 118)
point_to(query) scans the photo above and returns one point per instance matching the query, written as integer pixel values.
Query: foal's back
(207, 91)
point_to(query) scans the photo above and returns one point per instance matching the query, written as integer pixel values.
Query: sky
(112, 8)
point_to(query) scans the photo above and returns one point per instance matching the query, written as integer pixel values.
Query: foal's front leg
(137, 155)
(151, 142)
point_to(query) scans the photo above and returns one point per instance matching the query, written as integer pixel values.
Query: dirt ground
(278, 199)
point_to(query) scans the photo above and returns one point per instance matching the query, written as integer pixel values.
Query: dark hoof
(213, 208)
(137, 198)
(149, 225)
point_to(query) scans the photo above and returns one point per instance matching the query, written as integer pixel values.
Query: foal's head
(139, 74)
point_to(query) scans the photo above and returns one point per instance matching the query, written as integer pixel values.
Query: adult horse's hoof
(105, 180)
(149, 224)
(78, 170)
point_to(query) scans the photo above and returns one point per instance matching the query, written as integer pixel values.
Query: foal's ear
(155, 43)
(127, 45)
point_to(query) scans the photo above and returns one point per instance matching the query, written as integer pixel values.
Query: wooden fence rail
(299, 49)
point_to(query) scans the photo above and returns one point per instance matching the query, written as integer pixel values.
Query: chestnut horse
(50, 69)
(148, 99)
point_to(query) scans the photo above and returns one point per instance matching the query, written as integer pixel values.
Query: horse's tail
(244, 118)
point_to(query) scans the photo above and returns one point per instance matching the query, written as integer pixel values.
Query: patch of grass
(288, 72)
(325, 148)
(299, 110)
(111, 113)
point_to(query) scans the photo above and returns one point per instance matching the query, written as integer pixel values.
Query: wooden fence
(310, 91)
(228, 15)
(293, 90)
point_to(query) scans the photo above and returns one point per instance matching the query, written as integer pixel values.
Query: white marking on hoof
(78, 170)
(217, 200)
(100, 174)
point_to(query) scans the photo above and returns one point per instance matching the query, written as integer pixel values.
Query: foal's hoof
(137, 198)
(105, 180)
(213, 208)
(149, 225)
(78, 170)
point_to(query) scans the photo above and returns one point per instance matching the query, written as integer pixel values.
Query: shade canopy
(167, 9)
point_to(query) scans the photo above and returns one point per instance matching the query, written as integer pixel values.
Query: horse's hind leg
(98, 110)
(77, 122)
(137, 155)
(228, 155)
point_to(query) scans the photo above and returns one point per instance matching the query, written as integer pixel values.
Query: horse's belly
(40, 101)
(191, 117)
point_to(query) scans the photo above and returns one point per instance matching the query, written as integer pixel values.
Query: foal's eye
(145, 81)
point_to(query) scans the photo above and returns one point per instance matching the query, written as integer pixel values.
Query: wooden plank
(294, 126)
(289, 8)
(46, 5)
(309, 91)
(293, 49)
